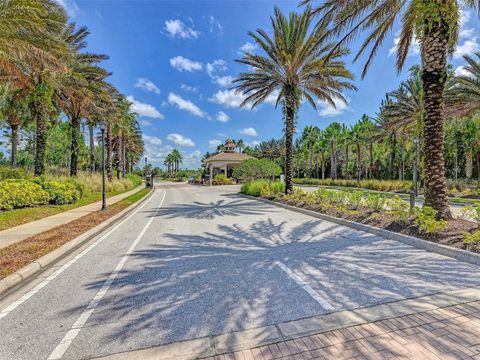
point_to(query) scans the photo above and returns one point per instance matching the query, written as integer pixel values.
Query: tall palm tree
(436, 24)
(332, 135)
(309, 137)
(320, 148)
(297, 65)
(240, 145)
(14, 109)
(81, 87)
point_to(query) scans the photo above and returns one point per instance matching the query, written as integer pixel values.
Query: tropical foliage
(52, 87)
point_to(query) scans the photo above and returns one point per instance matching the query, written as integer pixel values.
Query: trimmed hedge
(21, 193)
(60, 192)
(263, 188)
(221, 179)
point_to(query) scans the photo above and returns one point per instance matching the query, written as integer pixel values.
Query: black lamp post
(103, 125)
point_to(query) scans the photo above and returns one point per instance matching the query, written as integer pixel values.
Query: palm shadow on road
(211, 210)
(224, 280)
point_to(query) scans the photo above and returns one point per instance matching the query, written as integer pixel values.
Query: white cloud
(272, 98)
(180, 140)
(183, 64)
(189, 88)
(222, 117)
(176, 28)
(414, 46)
(151, 140)
(467, 33)
(186, 105)
(328, 110)
(228, 98)
(144, 109)
(145, 122)
(147, 85)
(461, 71)
(248, 47)
(215, 25)
(216, 65)
(469, 47)
(70, 6)
(224, 81)
(212, 144)
(248, 132)
(192, 160)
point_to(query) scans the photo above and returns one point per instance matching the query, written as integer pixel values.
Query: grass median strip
(16, 256)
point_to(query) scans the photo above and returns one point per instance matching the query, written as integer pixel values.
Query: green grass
(9, 219)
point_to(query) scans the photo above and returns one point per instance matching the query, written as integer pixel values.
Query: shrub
(471, 238)
(254, 169)
(12, 173)
(134, 179)
(398, 208)
(373, 184)
(472, 211)
(376, 202)
(59, 192)
(263, 188)
(426, 219)
(18, 193)
(221, 179)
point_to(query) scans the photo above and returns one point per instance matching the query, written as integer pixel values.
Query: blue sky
(174, 60)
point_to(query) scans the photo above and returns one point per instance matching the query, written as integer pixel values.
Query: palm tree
(177, 159)
(297, 65)
(309, 138)
(320, 148)
(240, 145)
(463, 92)
(81, 88)
(14, 108)
(436, 24)
(332, 134)
(345, 138)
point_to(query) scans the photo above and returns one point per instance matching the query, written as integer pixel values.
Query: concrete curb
(459, 254)
(252, 338)
(24, 274)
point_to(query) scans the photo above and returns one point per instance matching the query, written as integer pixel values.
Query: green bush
(255, 169)
(263, 188)
(373, 184)
(472, 238)
(12, 173)
(135, 179)
(221, 179)
(19, 193)
(426, 219)
(59, 192)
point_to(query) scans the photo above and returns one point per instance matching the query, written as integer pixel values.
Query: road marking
(323, 303)
(45, 282)
(63, 346)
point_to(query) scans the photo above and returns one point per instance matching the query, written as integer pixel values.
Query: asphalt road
(197, 261)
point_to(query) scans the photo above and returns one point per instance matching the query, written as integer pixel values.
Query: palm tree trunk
(346, 162)
(124, 157)
(289, 111)
(109, 148)
(323, 167)
(434, 50)
(393, 156)
(358, 167)
(75, 123)
(14, 132)
(332, 162)
(468, 164)
(40, 140)
(92, 147)
(370, 170)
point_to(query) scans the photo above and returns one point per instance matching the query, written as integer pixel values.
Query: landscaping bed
(16, 256)
(390, 213)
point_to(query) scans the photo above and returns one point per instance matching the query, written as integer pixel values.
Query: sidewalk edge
(21, 276)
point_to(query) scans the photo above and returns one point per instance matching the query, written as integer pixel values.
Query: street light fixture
(103, 126)
(416, 141)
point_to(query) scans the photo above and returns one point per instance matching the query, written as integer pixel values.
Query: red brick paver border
(441, 334)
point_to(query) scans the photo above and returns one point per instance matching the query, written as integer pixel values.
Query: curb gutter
(24, 274)
(459, 254)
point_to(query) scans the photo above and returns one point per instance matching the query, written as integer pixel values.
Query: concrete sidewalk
(24, 231)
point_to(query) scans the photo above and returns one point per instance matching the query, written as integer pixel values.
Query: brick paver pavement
(445, 333)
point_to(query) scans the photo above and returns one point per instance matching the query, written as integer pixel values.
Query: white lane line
(45, 282)
(323, 303)
(63, 346)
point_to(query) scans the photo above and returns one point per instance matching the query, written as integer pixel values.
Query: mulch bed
(16, 256)
(452, 235)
